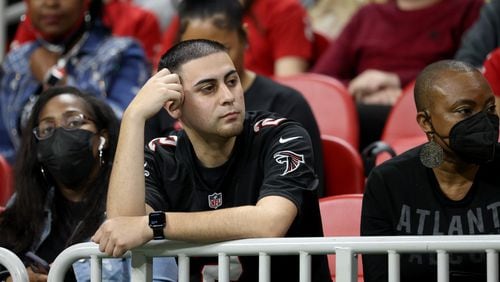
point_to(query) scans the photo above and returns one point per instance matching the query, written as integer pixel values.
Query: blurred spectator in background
(385, 46)
(491, 70)
(328, 17)
(61, 180)
(123, 18)
(221, 21)
(280, 39)
(163, 9)
(72, 47)
(482, 37)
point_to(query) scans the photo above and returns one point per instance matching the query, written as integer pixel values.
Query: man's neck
(410, 5)
(211, 153)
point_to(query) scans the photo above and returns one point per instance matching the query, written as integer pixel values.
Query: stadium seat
(6, 184)
(341, 216)
(343, 167)
(401, 131)
(331, 103)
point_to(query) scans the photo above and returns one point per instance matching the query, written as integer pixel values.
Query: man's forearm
(271, 217)
(126, 195)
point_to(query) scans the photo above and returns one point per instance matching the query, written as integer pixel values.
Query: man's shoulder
(168, 143)
(264, 122)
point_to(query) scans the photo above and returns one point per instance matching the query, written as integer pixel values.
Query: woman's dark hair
(225, 14)
(22, 222)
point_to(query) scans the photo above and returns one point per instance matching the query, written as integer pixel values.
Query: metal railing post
(346, 265)
(443, 266)
(305, 267)
(14, 265)
(264, 267)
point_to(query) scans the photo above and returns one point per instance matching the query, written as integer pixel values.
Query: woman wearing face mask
(61, 178)
(72, 47)
(448, 186)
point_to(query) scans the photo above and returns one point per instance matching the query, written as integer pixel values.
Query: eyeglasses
(70, 121)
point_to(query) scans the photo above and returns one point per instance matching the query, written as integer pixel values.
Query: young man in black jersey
(222, 21)
(227, 175)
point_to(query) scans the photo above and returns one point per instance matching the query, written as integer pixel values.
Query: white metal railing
(14, 265)
(345, 248)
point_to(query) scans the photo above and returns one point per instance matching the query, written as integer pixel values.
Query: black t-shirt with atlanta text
(272, 156)
(402, 197)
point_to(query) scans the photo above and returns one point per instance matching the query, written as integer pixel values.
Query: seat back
(341, 216)
(401, 130)
(343, 167)
(331, 103)
(6, 181)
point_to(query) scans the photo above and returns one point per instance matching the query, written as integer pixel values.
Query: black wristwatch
(157, 222)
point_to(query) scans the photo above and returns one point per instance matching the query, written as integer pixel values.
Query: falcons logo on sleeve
(291, 160)
(162, 141)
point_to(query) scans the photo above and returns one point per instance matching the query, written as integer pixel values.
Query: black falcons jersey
(271, 156)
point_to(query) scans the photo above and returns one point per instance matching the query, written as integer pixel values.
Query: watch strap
(158, 233)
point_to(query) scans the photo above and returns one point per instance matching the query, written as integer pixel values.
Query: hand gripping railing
(14, 265)
(345, 248)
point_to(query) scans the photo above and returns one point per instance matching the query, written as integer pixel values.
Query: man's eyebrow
(204, 81)
(231, 72)
(207, 80)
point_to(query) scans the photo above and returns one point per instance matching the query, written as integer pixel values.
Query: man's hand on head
(162, 89)
(120, 234)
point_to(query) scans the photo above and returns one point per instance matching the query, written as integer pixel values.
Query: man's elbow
(275, 227)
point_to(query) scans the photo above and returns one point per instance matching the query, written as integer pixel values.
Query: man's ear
(424, 121)
(173, 111)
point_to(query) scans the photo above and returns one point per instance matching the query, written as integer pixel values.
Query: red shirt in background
(383, 37)
(491, 70)
(275, 29)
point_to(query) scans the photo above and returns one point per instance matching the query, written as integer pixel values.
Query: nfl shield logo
(215, 200)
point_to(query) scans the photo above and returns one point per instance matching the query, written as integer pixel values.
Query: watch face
(157, 219)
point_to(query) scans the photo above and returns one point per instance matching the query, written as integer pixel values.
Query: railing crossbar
(345, 248)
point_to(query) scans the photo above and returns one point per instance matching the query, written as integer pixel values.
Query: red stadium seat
(341, 216)
(6, 183)
(331, 103)
(401, 130)
(343, 167)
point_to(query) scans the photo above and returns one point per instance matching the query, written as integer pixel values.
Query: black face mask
(474, 139)
(67, 156)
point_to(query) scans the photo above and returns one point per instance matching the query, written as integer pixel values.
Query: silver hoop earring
(431, 154)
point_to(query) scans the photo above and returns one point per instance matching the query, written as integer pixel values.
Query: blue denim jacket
(113, 269)
(106, 66)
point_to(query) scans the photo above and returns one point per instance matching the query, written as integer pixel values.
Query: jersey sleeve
(288, 165)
